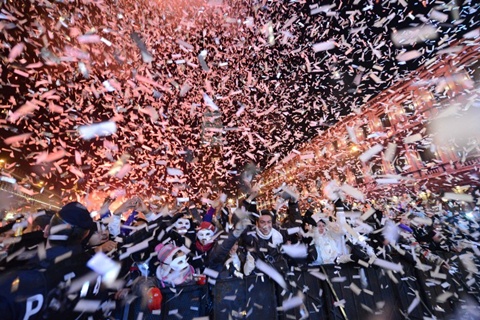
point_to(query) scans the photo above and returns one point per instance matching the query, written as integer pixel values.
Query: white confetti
(101, 129)
(323, 46)
(367, 155)
(271, 272)
(174, 172)
(409, 55)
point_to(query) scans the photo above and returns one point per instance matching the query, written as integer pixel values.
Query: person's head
(234, 248)
(42, 220)
(321, 225)
(182, 225)
(98, 235)
(70, 225)
(265, 222)
(205, 233)
(404, 220)
(172, 261)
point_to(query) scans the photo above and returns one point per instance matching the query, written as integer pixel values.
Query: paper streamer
(271, 272)
(389, 154)
(101, 129)
(458, 196)
(292, 303)
(388, 265)
(367, 155)
(295, 250)
(323, 46)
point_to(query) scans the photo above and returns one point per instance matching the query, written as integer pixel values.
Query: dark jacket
(220, 255)
(264, 250)
(35, 291)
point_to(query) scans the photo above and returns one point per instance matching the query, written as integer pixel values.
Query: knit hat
(207, 225)
(77, 215)
(165, 253)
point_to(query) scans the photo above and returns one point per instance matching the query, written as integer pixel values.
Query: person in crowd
(376, 220)
(350, 244)
(24, 247)
(35, 292)
(204, 243)
(183, 231)
(173, 268)
(264, 242)
(160, 247)
(293, 219)
(407, 242)
(227, 257)
(325, 245)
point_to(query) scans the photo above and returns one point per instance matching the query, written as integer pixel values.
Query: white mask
(204, 236)
(179, 263)
(182, 225)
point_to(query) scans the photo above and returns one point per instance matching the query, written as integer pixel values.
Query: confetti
(411, 36)
(174, 172)
(102, 129)
(17, 139)
(388, 265)
(412, 138)
(458, 196)
(16, 51)
(389, 154)
(271, 272)
(367, 155)
(292, 302)
(89, 38)
(353, 192)
(409, 55)
(295, 250)
(323, 46)
(438, 16)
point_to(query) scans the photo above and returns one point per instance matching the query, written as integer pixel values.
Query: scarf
(273, 236)
(203, 248)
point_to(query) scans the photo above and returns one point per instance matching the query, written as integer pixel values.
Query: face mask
(179, 263)
(182, 225)
(204, 236)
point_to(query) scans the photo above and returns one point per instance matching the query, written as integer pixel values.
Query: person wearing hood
(173, 268)
(39, 290)
(204, 243)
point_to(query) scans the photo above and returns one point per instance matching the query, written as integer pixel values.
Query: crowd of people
(74, 263)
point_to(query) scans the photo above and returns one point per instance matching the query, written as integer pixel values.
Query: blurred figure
(24, 247)
(41, 291)
(174, 268)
